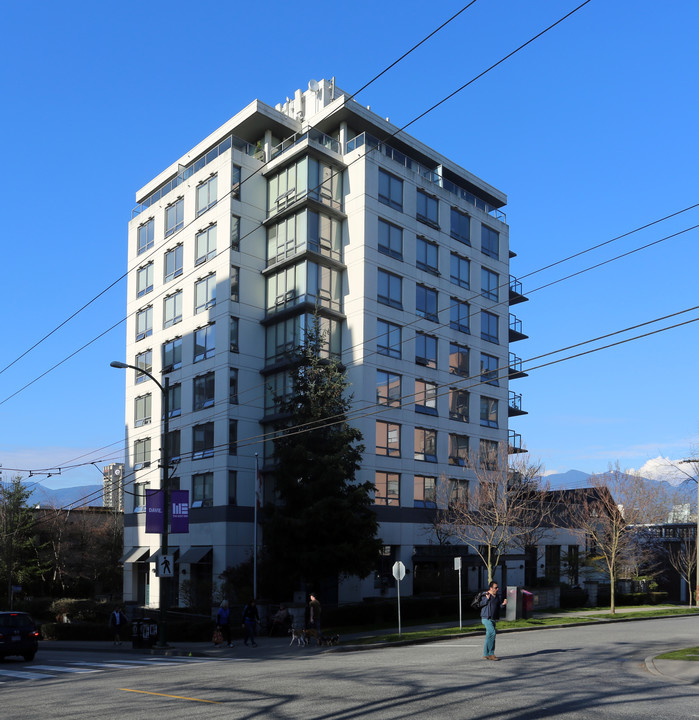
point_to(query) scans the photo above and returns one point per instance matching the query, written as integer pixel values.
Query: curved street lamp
(165, 487)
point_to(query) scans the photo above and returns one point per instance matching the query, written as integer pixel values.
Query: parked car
(18, 635)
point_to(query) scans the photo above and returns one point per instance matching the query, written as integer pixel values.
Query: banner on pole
(180, 511)
(154, 511)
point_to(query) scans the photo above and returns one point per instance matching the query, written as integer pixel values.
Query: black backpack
(477, 601)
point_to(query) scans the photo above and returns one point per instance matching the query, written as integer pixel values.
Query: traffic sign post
(457, 567)
(398, 574)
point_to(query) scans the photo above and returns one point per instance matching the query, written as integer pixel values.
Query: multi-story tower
(113, 486)
(318, 205)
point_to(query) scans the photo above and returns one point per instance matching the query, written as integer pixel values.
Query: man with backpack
(490, 603)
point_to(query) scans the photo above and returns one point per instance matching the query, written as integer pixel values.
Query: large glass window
(460, 271)
(144, 363)
(172, 309)
(144, 279)
(236, 172)
(387, 439)
(489, 326)
(390, 190)
(145, 236)
(488, 454)
(489, 369)
(304, 282)
(233, 335)
(426, 350)
(144, 323)
(427, 255)
(460, 226)
(207, 194)
(458, 359)
(425, 491)
(458, 491)
(285, 336)
(390, 240)
(307, 176)
(324, 235)
(489, 412)
(458, 404)
(174, 217)
(202, 441)
(458, 449)
(173, 446)
(489, 284)
(235, 232)
(388, 391)
(172, 354)
(174, 404)
(205, 293)
(204, 342)
(387, 488)
(142, 410)
(425, 444)
(388, 340)
(205, 245)
(141, 453)
(427, 209)
(458, 315)
(233, 386)
(425, 397)
(426, 303)
(235, 283)
(490, 242)
(204, 388)
(173, 263)
(390, 290)
(202, 490)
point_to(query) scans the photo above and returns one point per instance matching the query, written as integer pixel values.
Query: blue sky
(590, 130)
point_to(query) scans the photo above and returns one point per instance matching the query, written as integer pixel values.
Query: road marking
(102, 664)
(56, 668)
(25, 675)
(176, 697)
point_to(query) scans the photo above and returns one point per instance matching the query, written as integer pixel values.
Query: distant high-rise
(113, 481)
(317, 203)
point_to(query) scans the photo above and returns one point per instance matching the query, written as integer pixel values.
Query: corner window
(145, 236)
(233, 386)
(235, 232)
(232, 487)
(390, 190)
(390, 240)
(233, 334)
(232, 437)
(207, 194)
(174, 217)
(427, 209)
(235, 283)
(235, 181)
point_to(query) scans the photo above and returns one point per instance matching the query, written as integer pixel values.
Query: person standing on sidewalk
(250, 619)
(117, 624)
(314, 611)
(223, 620)
(490, 605)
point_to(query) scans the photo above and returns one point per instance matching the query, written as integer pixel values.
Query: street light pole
(695, 462)
(165, 489)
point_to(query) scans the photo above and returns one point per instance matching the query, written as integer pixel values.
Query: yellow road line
(177, 697)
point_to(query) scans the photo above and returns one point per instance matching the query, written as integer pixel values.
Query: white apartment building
(315, 203)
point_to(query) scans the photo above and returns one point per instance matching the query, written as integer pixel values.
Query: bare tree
(611, 513)
(505, 507)
(682, 557)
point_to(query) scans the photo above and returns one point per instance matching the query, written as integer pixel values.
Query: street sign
(457, 563)
(165, 566)
(398, 570)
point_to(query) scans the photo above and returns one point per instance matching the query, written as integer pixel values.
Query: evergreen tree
(323, 525)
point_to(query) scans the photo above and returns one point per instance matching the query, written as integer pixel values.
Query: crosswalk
(75, 668)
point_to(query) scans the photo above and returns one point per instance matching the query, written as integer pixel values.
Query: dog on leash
(298, 635)
(329, 640)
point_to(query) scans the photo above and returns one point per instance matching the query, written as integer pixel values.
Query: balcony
(514, 443)
(516, 295)
(515, 368)
(516, 329)
(514, 405)
(311, 134)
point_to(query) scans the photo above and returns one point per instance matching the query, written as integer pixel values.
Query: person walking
(117, 622)
(490, 605)
(250, 619)
(223, 621)
(314, 611)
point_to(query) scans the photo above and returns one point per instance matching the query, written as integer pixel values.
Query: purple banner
(154, 511)
(180, 511)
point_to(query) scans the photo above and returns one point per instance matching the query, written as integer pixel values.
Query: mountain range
(77, 496)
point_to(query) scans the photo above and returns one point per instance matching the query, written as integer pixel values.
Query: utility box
(514, 603)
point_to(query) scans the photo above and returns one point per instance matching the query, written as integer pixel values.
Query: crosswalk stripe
(25, 675)
(56, 668)
(101, 664)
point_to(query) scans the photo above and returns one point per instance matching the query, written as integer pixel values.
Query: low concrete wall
(549, 597)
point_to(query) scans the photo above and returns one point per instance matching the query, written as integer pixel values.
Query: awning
(156, 555)
(195, 554)
(135, 555)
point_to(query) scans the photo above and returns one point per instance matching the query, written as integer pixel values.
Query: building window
(204, 342)
(427, 209)
(172, 442)
(390, 290)
(427, 255)
(174, 404)
(425, 492)
(390, 190)
(144, 363)
(142, 410)
(233, 386)
(426, 350)
(489, 412)
(460, 271)
(172, 309)
(204, 389)
(458, 449)
(488, 454)
(425, 397)
(144, 323)
(489, 369)
(235, 232)
(236, 172)
(205, 293)
(232, 487)
(207, 194)
(202, 441)
(139, 500)
(202, 490)
(489, 326)
(426, 303)
(173, 263)
(146, 236)
(460, 226)
(205, 245)
(458, 359)
(174, 217)
(234, 334)
(387, 439)
(489, 284)
(490, 242)
(235, 283)
(387, 490)
(232, 437)
(388, 390)
(458, 315)
(141, 453)
(172, 355)
(388, 340)
(390, 240)
(458, 404)
(425, 444)
(144, 280)
(458, 491)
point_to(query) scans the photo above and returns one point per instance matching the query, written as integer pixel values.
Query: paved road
(570, 673)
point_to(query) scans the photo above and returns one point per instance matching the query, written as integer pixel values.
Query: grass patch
(657, 611)
(686, 654)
